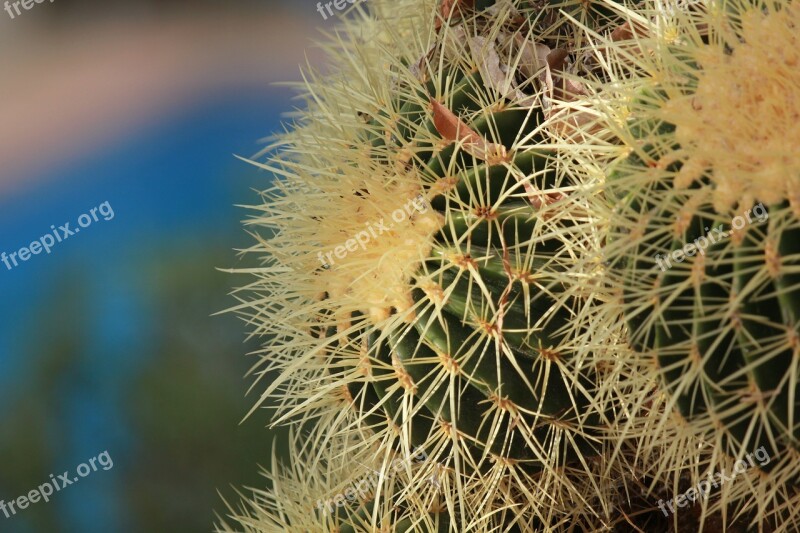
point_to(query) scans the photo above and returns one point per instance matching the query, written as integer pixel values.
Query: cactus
(700, 107)
(339, 493)
(419, 286)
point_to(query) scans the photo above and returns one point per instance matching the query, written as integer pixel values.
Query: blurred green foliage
(181, 405)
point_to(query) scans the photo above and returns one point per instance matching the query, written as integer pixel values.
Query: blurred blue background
(109, 343)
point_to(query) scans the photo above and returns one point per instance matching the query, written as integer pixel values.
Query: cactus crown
(742, 112)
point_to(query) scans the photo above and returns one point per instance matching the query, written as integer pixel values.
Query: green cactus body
(722, 333)
(450, 358)
(450, 361)
(705, 240)
(485, 360)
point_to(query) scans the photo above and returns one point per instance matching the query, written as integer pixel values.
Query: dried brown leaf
(447, 10)
(420, 67)
(626, 31)
(557, 58)
(536, 197)
(484, 54)
(532, 56)
(452, 128)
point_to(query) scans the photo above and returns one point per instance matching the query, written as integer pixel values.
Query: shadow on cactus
(704, 241)
(419, 282)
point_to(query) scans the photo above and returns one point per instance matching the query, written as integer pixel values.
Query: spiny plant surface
(698, 120)
(367, 483)
(338, 489)
(419, 286)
